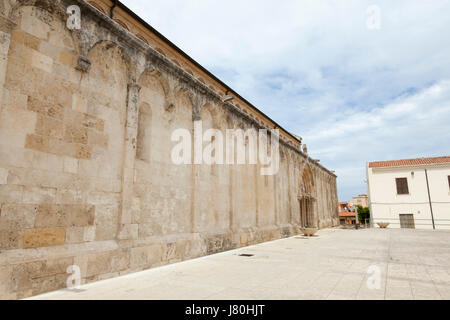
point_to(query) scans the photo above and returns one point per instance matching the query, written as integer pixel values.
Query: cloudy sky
(355, 87)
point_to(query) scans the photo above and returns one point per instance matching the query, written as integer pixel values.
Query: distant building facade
(346, 215)
(412, 193)
(361, 200)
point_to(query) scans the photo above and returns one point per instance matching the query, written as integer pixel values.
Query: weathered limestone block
(39, 276)
(45, 268)
(4, 176)
(10, 240)
(10, 193)
(139, 256)
(112, 186)
(75, 235)
(33, 22)
(75, 134)
(38, 143)
(220, 242)
(121, 260)
(47, 161)
(68, 59)
(154, 254)
(81, 262)
(145, 230)
(38, 195)
(46, 108)
(47, 284)
(197, 246)
(41, 61)
(44, 237)
(15, 124)
(64, 215)
(99, 263)
(80, 234)
(92, 122)
(89, 234)
(70, 165)
(169, 252)
(128, 232)
(106, 221)
(7, 289)
(96, 138)
(15, 217)
(17, 159)
(20, 280)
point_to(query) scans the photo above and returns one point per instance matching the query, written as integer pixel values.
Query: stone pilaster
(257, 171)
(127, 228)
(6, 26)
(83, 63)
(196, 116)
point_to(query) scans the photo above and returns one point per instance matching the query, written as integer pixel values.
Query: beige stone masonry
(37, 238)
(86, 176)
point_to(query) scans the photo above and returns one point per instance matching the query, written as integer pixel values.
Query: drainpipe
(111, 12)
(429, 199)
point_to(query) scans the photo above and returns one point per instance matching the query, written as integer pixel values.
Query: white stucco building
(412, 193)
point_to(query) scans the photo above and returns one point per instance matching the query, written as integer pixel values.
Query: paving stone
(328, 267)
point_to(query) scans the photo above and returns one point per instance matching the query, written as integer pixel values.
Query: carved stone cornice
(132, 44)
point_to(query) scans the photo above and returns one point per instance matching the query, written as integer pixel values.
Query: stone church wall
(86, 178)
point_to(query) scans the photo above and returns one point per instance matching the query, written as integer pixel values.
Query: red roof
(409, 162)
(346, 214)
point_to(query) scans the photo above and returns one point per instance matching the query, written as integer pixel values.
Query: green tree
(363, 214)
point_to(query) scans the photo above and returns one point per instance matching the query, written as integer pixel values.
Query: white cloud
(411, 126)
(354, 94)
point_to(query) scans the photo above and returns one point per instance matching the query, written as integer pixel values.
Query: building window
(402, 185)
(407, 221)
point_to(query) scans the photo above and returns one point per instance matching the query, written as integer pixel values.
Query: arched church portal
(307, 199)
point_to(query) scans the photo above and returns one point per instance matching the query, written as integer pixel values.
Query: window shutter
(402, 185)
(405, 186)
(399, 185)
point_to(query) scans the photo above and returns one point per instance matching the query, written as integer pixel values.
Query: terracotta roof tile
(346, 214)
(409, 162)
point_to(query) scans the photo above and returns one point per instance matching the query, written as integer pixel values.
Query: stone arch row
(139, 58)
(132, 46)
(104, 10)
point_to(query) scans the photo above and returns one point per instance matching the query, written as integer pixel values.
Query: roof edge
(409, 162)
